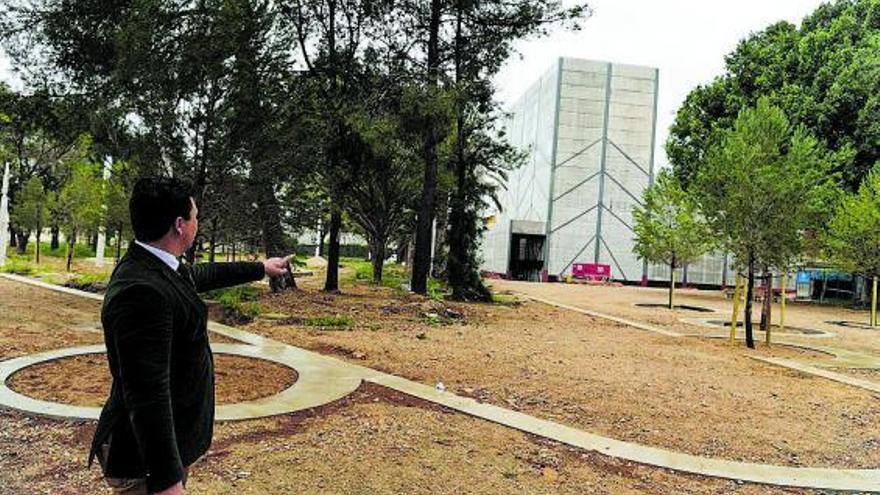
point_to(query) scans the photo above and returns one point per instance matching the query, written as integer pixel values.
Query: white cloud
(686, 39)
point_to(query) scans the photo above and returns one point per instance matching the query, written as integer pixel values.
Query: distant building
(589, 129)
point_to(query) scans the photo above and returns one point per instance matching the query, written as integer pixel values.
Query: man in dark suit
(160, 414)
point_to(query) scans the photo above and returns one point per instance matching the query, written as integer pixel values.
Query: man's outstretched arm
(210, 276)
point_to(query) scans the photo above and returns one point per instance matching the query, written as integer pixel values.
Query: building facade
(588, 129)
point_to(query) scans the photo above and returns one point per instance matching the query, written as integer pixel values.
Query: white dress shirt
(166, 257)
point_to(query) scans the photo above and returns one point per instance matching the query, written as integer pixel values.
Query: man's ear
(178, 225)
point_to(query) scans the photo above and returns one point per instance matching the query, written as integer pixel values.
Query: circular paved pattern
(315, 386)
(775, 328)
(852, 324)
(789, 330)
(685, 307)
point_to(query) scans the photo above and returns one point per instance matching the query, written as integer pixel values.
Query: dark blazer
(159, 417)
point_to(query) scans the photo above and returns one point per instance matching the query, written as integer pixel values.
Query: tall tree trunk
(672, 283)
(401, 252)
(213, 240)
(463, 272)
(440, 265)
(53, 242)
(37, 246)
(750, 289)
(21, 243)
(93, 241)
(768, 310)
(331, 284)
(377, 251)
(422, 255)
(71, 243)
(767, 306)
(458, 255)
(322, 232)
(13, 237)
(273, 233)
(874, 301)
(410, 253)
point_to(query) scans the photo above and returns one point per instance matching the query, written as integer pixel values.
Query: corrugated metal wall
(604, 162)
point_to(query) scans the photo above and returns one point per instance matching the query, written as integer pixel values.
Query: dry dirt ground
(696, 396)
(620, 301)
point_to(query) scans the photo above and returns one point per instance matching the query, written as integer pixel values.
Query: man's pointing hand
(275, 267)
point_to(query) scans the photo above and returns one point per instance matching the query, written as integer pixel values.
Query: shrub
(330, 322)
(238, 303)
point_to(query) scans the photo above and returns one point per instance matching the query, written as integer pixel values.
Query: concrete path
(605, 316)
(339, 376)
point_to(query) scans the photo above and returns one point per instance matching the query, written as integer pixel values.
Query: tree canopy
(764, 186)
(852, 238)
(825, 76)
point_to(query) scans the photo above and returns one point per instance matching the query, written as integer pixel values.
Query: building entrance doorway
(526, 257)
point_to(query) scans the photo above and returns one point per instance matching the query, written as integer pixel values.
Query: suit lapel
(182, 286)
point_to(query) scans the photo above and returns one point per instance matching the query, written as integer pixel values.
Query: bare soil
(698, 396)
(620, 300)
(693, 395)
(35, 320)
(375, 441)
(85, 380)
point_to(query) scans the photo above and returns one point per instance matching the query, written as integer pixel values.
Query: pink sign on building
(591, 271)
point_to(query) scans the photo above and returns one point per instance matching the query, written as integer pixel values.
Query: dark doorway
(526, 257)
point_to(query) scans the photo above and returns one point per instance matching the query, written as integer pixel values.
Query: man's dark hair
(155, 204)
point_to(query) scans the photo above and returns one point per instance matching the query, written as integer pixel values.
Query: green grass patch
(330, 322)
(393, 275)
(436, 289)
(239, 302)
(506, 300)
(18, 266)
(231, 295)
(90, 278)
(90, 282)
(80, 250)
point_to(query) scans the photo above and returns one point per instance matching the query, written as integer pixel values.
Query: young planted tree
(670, 228)
(116, 197)
(763, 186)
(852, 238)
(30, 212)
(79, 203)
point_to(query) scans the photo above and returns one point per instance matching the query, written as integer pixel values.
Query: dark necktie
(185, 271)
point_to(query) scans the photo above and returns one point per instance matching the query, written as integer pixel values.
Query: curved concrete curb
(52, 287)
(318, 383)
(815, 371)
(822, 478)
(604, 316)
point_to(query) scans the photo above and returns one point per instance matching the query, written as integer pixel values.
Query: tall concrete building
(589, 130)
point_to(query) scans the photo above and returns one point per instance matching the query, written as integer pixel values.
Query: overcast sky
(685, 39)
